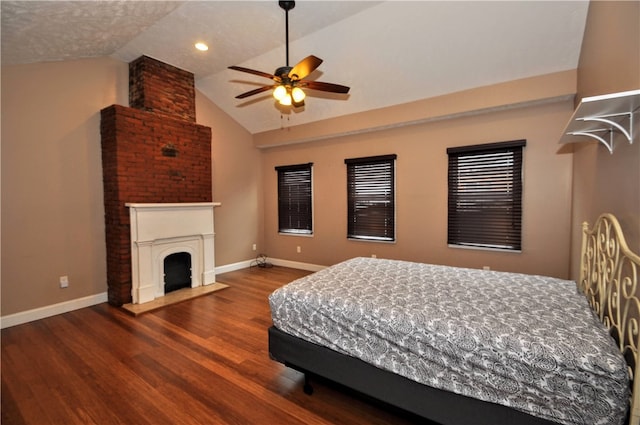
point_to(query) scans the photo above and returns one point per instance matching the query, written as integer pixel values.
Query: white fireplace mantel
(162, 229)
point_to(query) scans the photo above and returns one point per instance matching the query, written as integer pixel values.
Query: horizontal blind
(371, 198)
(485, 195)
(295, 199)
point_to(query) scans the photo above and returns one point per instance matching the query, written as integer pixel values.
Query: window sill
(483, 248)
(371, 240)
(305, 235)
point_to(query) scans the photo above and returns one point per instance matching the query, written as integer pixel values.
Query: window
(485, 195)
(295, 199)
(371, 198)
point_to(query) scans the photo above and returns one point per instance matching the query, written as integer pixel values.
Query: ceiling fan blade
(319, 85)
(253, 71)
(254, 91)
(305, 67)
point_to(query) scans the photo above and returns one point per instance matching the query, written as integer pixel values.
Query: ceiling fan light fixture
(286, 100)
(289, 80)
(298, 95)
(279, 92)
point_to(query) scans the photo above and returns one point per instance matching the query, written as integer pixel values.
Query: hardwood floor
(202, 361)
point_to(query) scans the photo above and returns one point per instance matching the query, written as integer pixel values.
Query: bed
(462, 346)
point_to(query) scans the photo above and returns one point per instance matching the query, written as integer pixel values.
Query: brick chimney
(152, 152)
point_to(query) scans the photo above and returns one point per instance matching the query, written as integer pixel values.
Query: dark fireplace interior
(177, 271)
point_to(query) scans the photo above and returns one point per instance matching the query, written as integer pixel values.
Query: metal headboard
(609, 279)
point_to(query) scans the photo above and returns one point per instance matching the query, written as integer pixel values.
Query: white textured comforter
(524, 341)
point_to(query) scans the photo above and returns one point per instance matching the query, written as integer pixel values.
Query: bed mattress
(528, 342)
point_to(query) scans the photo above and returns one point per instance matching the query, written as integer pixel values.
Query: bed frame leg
(307, 388)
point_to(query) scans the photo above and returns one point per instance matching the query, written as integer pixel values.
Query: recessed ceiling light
(202, 47)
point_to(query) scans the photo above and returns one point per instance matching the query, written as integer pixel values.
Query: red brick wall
(148, 157)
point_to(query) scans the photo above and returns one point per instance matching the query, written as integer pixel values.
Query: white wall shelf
(600, 117)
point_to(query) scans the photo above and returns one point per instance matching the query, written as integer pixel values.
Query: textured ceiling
(388, 52)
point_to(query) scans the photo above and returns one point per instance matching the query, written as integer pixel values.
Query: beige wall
(422, 183)
(527, 90)
(52, 197)
(237, 184)
(604, 182)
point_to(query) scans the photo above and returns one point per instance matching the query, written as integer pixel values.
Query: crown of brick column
(162, 89)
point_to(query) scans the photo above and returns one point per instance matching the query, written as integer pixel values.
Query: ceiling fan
(288, 81)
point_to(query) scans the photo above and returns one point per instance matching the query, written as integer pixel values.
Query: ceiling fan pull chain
(282, 127)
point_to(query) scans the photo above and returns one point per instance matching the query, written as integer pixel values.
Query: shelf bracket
(595, 116)
(605, 119)
(600, 139)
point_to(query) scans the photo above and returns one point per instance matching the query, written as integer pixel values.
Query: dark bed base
(436, 405)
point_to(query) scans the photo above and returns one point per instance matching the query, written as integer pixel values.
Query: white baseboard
(276, 262)
(234, 266)
(67, 306)
(51, 310)
(296, 265)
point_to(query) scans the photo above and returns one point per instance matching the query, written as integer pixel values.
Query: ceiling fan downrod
(287, 6)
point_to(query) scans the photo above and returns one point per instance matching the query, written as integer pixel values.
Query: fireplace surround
(161, 229)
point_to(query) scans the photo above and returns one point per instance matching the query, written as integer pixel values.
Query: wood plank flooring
(202, 361)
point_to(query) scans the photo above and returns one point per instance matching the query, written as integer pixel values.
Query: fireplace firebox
(177, 271)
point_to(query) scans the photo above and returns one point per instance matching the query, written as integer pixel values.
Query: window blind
(371, 198)
(295, 199)
(485, 195)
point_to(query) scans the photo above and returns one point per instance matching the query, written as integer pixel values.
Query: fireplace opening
(177, 271)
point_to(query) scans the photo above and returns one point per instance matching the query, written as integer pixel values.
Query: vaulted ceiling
(388, 52)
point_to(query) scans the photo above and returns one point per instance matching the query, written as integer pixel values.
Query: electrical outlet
(374, 256)
(486, 268)
(298, 249)
(64, 281)
(254, 247)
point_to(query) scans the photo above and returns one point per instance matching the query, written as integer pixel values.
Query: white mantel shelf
(174, 205)
(600, 117)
